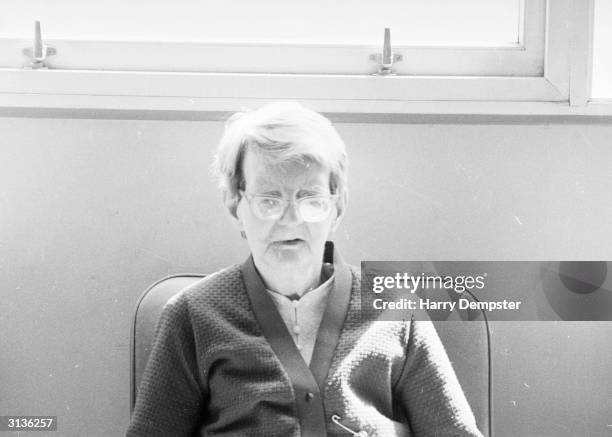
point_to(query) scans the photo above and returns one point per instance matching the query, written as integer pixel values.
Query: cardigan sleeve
(430, 393)
(170, 398)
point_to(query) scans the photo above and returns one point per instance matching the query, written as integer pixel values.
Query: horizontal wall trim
(538, 114)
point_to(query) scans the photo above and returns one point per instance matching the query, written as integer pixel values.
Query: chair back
(147, 314)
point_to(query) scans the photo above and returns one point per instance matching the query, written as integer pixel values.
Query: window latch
(39, 52)
(387, 58)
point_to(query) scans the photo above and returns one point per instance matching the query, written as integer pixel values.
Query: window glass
(420, 22)
(602, 50)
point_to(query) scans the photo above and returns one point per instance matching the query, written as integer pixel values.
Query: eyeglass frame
(286, 202)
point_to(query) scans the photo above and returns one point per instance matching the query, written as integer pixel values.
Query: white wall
(93, 211)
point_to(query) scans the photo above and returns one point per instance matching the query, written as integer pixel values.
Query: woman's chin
(295, 253)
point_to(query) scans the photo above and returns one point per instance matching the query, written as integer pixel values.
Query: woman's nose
(290, 214)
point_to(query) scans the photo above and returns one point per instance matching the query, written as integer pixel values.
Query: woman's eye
(269, 203)
(313, 201)
(317, 202)
(310, 194)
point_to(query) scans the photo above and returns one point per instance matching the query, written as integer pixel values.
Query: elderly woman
(277, 346)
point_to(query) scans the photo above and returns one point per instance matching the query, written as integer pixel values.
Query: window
(479, 22)
(602, 50)
(196, 56)
(472, 37)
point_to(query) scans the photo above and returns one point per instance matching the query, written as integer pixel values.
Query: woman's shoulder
(226, 281)
(222, 281)
(356, 275)
(356, 271)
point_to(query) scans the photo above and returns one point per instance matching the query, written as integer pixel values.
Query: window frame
(522, 59)
(559, 88)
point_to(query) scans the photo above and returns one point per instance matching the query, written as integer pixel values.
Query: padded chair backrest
(466, 338)
(466, 343)
(147, 314)
(467, 346)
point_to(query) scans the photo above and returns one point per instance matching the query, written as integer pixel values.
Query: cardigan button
(309, 396)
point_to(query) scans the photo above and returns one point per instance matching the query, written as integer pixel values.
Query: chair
(467, 344)
(147, 314)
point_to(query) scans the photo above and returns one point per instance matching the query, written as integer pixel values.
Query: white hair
(281, 132)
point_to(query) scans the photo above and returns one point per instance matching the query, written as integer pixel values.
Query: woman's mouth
(293, 243)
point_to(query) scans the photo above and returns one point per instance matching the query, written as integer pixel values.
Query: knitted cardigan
(224, 364)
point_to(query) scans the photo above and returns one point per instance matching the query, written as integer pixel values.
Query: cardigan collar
(275, 330)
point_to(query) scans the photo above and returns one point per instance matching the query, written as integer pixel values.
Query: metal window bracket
(39, 52)
(387, 58)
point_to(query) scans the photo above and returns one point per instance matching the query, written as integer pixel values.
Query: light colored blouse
(303, 316)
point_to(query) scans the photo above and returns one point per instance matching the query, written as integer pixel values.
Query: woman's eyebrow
(269, 192)
(263, 187)
(305, 192)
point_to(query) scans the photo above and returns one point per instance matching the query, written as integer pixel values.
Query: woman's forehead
(261, 174)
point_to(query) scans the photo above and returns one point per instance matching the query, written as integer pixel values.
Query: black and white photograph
(306, 219)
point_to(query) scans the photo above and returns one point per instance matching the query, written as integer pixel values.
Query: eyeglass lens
(310, 209)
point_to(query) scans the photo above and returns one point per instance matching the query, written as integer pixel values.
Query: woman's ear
(232, 203)
(340, 209)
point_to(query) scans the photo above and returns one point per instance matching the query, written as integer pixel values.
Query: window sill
(208, 96)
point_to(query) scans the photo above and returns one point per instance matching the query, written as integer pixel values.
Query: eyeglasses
(311, 209)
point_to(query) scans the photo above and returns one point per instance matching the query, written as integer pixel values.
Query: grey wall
(93, 211)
